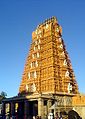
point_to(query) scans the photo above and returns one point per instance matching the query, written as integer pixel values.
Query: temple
(48, 82)
(48, 68)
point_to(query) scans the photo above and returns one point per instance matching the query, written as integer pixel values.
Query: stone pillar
(12, 108)
(3, 109)
(40, 107)
(55, 105)
(16, 110)
(34, 111)
(49, 104)
(26, 109)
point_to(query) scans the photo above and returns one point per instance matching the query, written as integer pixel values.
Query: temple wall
(78, 103)
(80, 110)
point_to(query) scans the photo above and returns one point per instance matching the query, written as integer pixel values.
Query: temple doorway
(20, 110)
(33, 109)
(73, 115)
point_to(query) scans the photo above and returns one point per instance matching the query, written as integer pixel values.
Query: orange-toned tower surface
(48, 68)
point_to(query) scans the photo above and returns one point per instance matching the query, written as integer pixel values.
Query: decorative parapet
(78, 100)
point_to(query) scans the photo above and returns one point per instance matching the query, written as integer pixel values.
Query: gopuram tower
(48, 81)
(48, 68)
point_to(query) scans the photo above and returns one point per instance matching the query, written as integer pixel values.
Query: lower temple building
(48, 82)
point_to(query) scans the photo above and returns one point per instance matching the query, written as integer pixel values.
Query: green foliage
(3, 94)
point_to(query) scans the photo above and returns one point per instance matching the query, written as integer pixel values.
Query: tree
(3, 94)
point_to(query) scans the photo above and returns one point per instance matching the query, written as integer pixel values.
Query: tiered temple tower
(48, 68)
(48, 82)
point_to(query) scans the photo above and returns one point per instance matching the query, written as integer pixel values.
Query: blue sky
(18, 18)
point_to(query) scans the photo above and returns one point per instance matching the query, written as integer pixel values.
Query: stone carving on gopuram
(48, 68)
